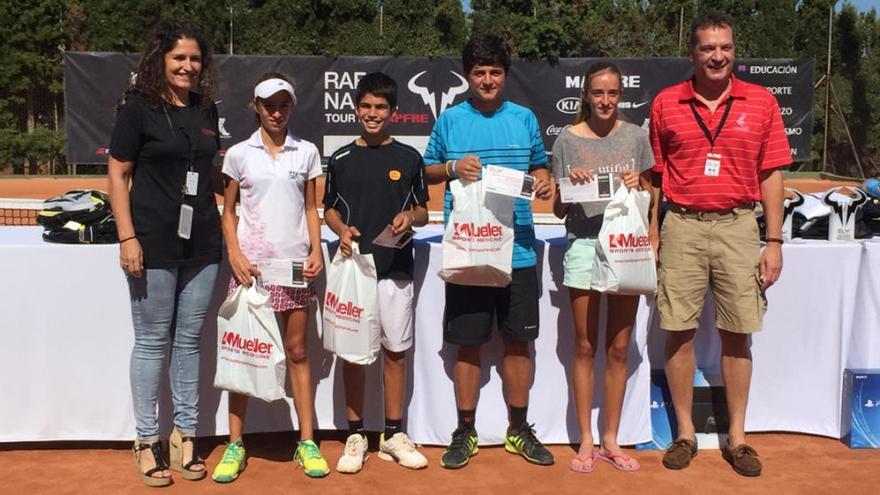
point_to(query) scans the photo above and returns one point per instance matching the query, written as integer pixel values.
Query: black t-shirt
(368, 186)
(158, 142)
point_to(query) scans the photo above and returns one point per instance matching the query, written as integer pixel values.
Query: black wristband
(127, 239)
(774, 239)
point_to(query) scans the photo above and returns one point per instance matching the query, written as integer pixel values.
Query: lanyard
(702, 124)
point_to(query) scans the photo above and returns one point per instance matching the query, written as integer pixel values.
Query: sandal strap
(155, 448)
(196, 459)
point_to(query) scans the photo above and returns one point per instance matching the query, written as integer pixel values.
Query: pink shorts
(283, 298)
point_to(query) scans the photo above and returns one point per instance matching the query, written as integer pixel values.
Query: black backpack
(78, 217)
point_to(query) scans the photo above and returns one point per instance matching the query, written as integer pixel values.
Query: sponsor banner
(325, 113)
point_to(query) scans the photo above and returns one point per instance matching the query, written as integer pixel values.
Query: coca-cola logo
(348, 309)
(555, 130)
(471, 231)
(235, 341)
(628, 241)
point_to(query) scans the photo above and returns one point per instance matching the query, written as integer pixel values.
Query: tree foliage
(37, 32)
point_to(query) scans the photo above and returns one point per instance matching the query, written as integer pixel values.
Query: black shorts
(467, 319)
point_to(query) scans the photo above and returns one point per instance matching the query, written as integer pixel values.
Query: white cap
(269, 87)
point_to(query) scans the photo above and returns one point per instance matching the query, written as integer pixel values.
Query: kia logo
(568, 105)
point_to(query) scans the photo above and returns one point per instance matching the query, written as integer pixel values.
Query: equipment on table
(78, 217)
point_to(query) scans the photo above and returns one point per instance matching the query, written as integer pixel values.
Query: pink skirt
(283, 298)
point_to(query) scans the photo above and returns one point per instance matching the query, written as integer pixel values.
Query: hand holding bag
(352, 329)
(250, 352)
(624, 261)
(478, 240)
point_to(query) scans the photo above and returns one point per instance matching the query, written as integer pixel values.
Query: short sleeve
(330, 185)
(435, 151)
(215, 124)
(558, 162)
(418, 187)
(645, 154)
(539, 154)
(775, 151)
(127, 137)
(232, 164)
(654, 137)
(314, 165)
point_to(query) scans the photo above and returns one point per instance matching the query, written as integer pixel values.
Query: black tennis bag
(78, 217)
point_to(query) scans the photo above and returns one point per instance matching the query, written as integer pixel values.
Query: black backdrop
(325, 89)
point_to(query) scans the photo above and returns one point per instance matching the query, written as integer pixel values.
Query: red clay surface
(793, 464)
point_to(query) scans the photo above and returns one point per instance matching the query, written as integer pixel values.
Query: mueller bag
(624, 261)
(478, 240)
(352, 329)
(250, 353)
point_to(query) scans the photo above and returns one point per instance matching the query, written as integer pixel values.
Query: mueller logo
(447, 98)
(232, 339)
(568, 105)
(349, 309)
(627, 241)
(477, 232)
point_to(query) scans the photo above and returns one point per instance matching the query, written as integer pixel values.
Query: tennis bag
(478, 240)
(78, 217)
(624, 261)
(352, 329)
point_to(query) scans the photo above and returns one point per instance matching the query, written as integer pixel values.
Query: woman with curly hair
(162, 190)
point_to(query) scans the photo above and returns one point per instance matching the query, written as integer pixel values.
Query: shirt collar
(290, 141)
(737, 89)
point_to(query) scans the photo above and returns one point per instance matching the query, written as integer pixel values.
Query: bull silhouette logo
(842, 220)
(429, 98)
(793, 199)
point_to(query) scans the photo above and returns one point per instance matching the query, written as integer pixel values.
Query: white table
(67, 332)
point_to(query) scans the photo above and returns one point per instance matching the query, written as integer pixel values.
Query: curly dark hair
(150, 81)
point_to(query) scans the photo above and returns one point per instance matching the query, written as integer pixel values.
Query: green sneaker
(522, 441)
(231, 464)
(461, 449)
(309, 457)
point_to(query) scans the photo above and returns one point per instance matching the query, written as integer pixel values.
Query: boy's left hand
(314, 264)
(542, 188)
(402, 222)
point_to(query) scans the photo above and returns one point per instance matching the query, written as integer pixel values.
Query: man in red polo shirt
(719, 144)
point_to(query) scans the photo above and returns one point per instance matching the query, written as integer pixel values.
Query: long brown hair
(594, 70)
(150, 80)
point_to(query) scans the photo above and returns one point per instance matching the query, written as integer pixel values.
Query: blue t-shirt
(509, 137)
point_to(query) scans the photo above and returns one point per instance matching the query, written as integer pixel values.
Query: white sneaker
(353, 455)
(401, 449)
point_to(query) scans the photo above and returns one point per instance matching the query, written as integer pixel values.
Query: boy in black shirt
(372, 183)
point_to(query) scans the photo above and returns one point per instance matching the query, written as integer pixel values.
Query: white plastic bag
(478, 240)
(352, 329)
(624, 261)
(250, 352)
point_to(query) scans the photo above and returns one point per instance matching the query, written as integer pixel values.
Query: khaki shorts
(719, 253)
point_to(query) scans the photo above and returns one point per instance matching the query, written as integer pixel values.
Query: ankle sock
(466, 417)
(356, 427)
(518, 416)
(392, 426)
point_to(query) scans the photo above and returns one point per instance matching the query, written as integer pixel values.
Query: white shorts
(396, 313)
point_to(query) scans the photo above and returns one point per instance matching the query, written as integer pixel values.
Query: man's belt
(710, 215)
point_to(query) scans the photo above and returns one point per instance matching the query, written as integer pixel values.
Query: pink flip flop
(610, 458)
(583, 463)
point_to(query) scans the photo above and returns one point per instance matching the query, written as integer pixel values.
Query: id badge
(184, 223)
(192, 183)
(713, 164)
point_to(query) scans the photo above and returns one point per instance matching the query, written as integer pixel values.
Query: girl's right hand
(581, 175)
(242, 269)
(131, 257)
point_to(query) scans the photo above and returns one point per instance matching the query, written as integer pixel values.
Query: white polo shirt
(273, 215)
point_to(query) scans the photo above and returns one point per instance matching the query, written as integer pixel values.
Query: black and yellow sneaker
(522, 440)
(461, 449)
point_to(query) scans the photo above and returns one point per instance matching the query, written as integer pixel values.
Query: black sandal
(175, 444)
(155, 448)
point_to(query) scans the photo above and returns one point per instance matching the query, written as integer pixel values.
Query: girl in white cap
(273, 172)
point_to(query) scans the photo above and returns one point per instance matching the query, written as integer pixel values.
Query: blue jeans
(168, 306)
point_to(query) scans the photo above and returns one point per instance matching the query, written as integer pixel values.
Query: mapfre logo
(617, 241)
(447, 98)
(255, 345)
(347, 310)
(569, 105)
(478, 233)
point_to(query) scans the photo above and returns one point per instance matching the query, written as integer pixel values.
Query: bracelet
(774, 239)
(127, 239)
(450, 169)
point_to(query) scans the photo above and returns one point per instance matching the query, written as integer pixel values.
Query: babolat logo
(569, 105)
(347, 310)
(255, 345)
(627, 241)
(472, 232)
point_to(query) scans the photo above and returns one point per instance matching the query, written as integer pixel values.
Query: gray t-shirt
(626, 149)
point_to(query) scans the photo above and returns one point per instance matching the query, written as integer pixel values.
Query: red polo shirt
(752, 140)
